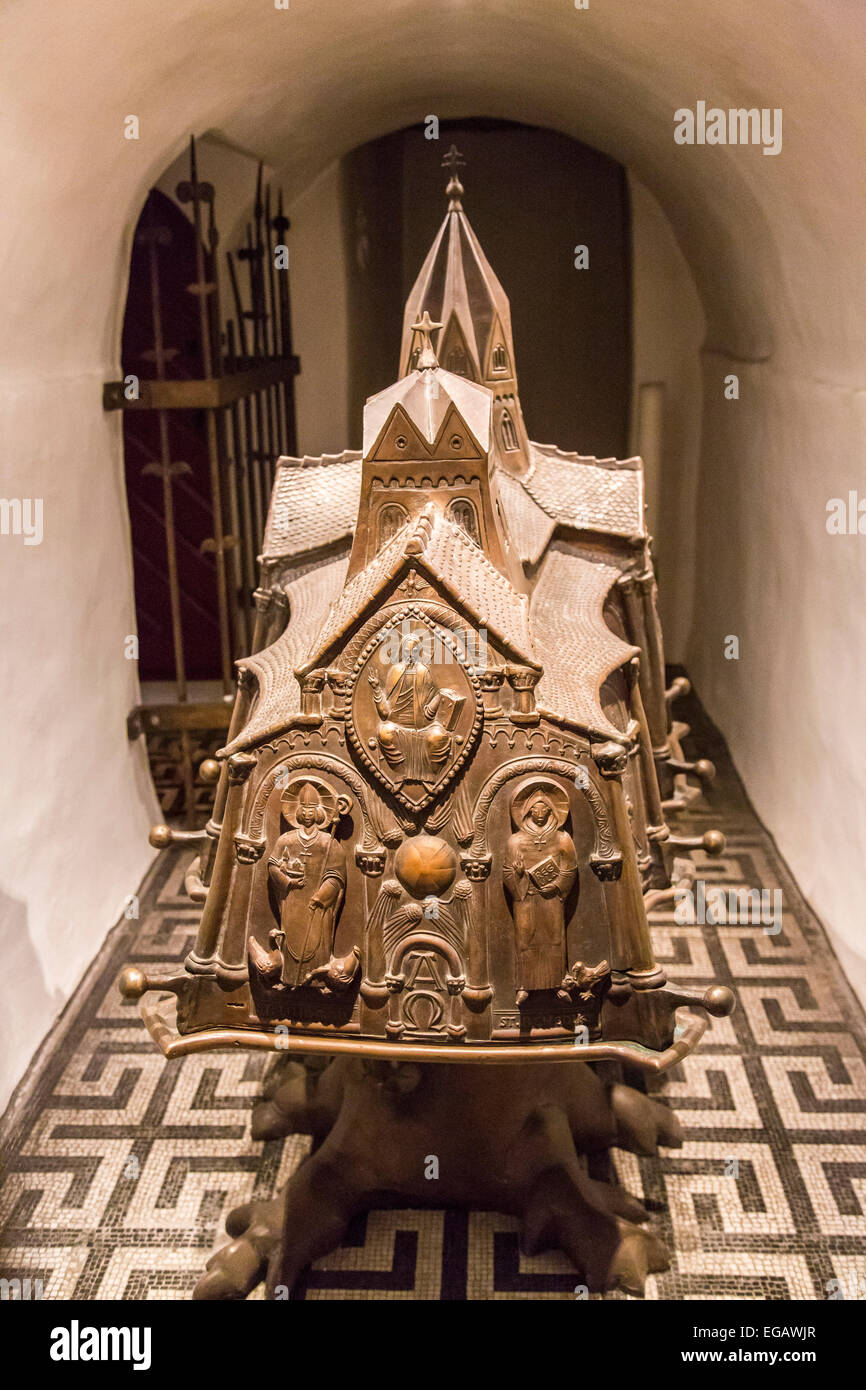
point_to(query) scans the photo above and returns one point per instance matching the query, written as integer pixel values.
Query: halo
(335, 805)
(525, 792)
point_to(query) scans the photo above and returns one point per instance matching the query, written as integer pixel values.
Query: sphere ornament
(132, 982)
(425, 865)
(719, 1001)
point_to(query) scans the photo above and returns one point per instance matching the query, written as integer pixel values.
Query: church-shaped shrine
(439, 805)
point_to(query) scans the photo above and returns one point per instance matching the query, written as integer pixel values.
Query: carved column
(395, 984)
(655, 661)
(338, 684)
(523, 680)
(491, 680)
(478, 991)
(262, 599)
(631, 947)
(645, 635)
(455, 1027)
(279, 615)
(656, 830)
(201, 961)
(375, 990)
(312, 686)
(240, 713)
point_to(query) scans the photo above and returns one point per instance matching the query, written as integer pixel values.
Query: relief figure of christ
(413, 740)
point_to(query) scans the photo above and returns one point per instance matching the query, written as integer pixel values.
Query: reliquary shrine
(444, 792)
(442, 808)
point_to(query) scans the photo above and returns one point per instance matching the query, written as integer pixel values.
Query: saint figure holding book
(539, 870)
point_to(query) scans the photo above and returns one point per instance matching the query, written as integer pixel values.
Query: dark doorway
(193, 511)
(532, 196)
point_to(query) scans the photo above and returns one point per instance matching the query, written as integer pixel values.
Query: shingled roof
(315, 501)
(529, 526)
(274, 667)
(579, 650)
(436, 545)
(313, 504)
(588, 494)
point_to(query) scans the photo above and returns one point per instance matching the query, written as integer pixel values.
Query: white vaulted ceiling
(301, 86)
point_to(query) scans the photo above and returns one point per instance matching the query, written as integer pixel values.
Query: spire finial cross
(453, 161)
(425, 326)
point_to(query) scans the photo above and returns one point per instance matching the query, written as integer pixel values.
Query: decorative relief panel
(414, 708)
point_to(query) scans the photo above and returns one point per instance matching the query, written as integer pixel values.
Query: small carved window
(456, 362)
(391, 518)
(414, 359)
(500, 361)
(463, 514)
(508, 433)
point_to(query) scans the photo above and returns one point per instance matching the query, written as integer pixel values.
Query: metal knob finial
(452, 161)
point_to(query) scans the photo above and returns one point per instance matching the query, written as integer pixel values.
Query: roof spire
(453, 161)
(425, 326)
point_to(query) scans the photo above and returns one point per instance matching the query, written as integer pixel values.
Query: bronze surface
(441, 802)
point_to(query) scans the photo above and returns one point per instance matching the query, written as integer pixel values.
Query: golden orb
(209, 770)
(713, 842)
(132, 982)
(160, 836)
(425, 865)
(720, 1001)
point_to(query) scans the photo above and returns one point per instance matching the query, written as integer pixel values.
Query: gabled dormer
(427, 441)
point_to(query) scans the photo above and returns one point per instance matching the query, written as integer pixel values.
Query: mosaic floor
(120, 1167)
